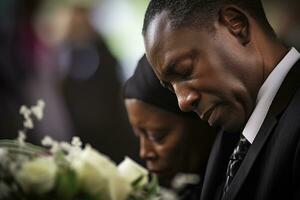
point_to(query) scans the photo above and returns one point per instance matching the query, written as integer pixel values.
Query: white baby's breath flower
(71, 150)
(3, 153)
(37, 176)
(98, 174)
(66, 146)
(76, 142)
(55, 148)
(28, 123)
(25, 111)
(38, 110)
(21, 138)
(41, 103)
(49, 142)
(131, 171)
(181, 180)
(167, 194)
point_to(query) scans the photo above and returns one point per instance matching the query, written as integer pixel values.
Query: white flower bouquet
(66, 171)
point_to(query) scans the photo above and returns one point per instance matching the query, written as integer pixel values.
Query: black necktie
(235, 160)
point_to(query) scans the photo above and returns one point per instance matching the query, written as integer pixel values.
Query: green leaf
(136, 182)
(147, 192)
(67, 185)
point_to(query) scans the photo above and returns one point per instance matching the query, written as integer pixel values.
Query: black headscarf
(145, 86)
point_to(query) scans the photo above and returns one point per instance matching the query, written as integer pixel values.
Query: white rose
(38, 175)
(98, 175)
(119, 188)
(131, 171)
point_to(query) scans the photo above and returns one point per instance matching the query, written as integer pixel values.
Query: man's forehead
(155, 37)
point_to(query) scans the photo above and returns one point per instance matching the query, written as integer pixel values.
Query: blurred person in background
(81, 90)
(10, 95)
(171, 141)
(28, 73)
(92, 89)
(17, 61)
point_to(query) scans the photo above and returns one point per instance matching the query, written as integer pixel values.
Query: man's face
(212, 73)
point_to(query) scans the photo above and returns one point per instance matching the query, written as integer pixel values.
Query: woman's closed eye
(157, 136)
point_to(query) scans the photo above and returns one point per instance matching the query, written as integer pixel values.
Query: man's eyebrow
(168, 68)
(170, 65)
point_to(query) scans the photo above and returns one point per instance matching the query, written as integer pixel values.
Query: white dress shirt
(267, 93)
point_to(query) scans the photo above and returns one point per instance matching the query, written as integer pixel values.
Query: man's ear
(237, 23)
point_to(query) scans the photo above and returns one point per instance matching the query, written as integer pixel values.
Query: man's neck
(272, 52)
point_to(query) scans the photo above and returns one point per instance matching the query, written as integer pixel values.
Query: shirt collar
(267, 93)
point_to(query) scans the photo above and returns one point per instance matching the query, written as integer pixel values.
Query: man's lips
(206, 115)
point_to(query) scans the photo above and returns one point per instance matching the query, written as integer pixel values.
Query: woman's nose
(146, 149)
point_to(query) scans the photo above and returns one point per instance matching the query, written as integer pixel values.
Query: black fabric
(145, 86)
(190, 192)
(235, 160)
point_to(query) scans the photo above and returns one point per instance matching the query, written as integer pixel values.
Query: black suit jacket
(271, 168)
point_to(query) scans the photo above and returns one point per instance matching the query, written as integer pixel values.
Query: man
(224, 61)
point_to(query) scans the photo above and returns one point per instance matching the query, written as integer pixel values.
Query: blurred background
(76, 54)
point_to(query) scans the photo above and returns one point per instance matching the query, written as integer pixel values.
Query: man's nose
(187, 99)
(146, 149)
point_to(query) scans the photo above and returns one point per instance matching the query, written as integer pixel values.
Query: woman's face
(169, 143)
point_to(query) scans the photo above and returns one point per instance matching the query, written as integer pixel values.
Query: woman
(171, 141)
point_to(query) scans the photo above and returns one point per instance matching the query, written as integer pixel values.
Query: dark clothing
(271, 168)
(93, 98)
(191, 192)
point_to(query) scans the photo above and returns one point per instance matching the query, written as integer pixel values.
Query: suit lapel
(218, 159)
(284, 95)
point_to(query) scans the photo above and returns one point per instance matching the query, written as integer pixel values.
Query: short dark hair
(195, 12)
